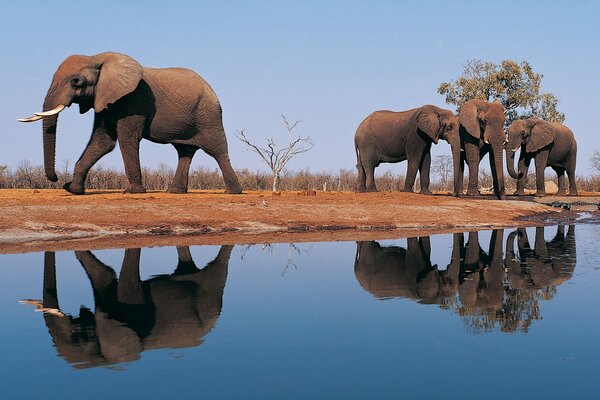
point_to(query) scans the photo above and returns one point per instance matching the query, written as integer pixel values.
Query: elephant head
(533, 133)
(484, 121)
(435, 122)
(90, 81)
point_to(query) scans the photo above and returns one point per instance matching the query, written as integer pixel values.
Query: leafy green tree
(513, 84)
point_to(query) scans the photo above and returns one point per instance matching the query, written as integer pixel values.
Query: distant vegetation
(28, 176)
(513, 84)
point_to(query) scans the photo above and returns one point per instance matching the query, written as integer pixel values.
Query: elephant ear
(119, 76)
(467, 116)
(541, 135)
(428, 121)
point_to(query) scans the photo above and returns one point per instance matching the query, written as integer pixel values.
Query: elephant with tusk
(550, 144)
(131, 102)
(390, 137)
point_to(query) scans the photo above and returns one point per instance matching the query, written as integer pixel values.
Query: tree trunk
(275, 181)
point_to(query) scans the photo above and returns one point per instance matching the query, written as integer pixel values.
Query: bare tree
(276, 158)
(442, 165)
(596, 160)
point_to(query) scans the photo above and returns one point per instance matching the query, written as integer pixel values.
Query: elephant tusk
(30, 119)
(54, 111)
(486, 141)
(515, 149)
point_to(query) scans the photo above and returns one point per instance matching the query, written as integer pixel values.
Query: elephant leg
(185, 264)
(459, 177)
(571, 174)
(129, 132)
(232, 185)
(522, 181)
(541, 161)
(102, 277)
(411, 174)
(424, 170)
(369, 167)
(562, 180)
(129, 288)
(472, 155)
(101, 143)
(180, 180)
(361, 185)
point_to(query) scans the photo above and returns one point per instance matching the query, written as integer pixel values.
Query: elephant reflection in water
(548, 264)
(474, 284)
(131, 315)
(398, 272)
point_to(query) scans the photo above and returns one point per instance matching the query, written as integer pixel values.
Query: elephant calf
(131, 102)
(390, 137)
(551, 144)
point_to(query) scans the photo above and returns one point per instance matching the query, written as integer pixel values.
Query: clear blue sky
(327, 63)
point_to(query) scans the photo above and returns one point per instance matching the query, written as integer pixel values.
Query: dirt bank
(33, 220)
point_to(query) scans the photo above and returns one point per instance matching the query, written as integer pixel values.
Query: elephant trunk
(49, 137)
(457, 167)
(510, 164)
(497, 150)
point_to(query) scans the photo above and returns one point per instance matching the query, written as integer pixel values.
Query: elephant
(390, 137)
(551, 144)
(131, 102)
(395, 271)
(167, 311)
(547, 264)
(481, 130)
(473, 283)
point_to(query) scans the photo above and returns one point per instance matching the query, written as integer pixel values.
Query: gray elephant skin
(390, 137)
(481, 132)
(484, 288)
(550, 144)
(131, 102)
(131, 316)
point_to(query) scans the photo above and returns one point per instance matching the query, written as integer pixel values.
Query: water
(491, 314)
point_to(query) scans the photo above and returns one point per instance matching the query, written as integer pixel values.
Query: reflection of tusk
(462, 149)
(54, 111)
(30, 119)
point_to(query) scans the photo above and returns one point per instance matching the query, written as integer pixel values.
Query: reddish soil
(34, 220)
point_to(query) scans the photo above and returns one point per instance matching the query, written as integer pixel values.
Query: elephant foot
(134, 188)
(233, 189)
(73, 188)
(472, 192)
(502, 196)
(540, 193)
(456, 194)
(519, 192)
(372, 190)
(574, 193)
(561, 193)
(177, 189)
(426, 192)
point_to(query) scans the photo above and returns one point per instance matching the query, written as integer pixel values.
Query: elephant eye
(77, 82)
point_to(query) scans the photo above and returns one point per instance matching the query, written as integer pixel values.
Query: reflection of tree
(270, 248)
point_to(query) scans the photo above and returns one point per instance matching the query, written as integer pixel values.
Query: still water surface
(490, 314)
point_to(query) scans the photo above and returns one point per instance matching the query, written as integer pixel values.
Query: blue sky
(327, 63)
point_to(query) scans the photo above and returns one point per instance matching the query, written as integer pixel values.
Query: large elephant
(131, 102)
(551, 144)
(131, 315)
(390, 137)
(547, 264)
(481, 132)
